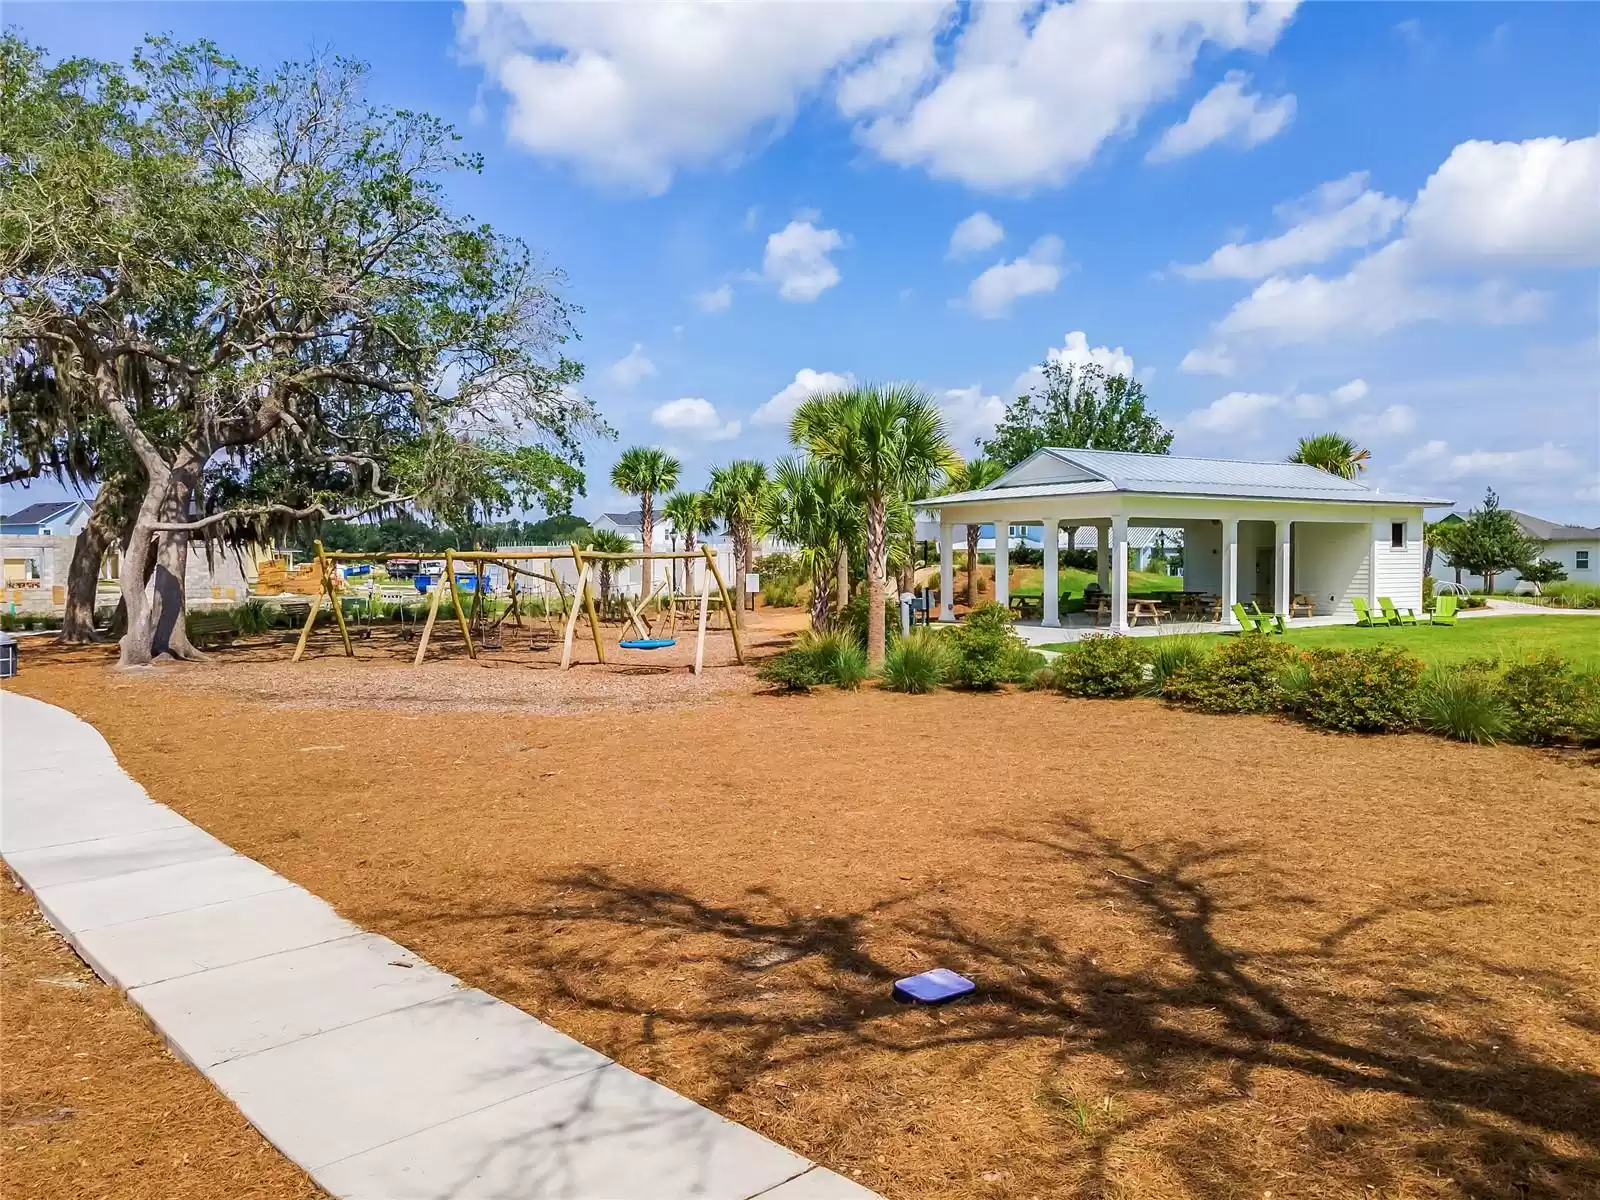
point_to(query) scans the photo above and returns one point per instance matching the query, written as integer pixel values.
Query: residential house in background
(1575, 547)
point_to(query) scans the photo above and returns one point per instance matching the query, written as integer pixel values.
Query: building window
(1580, 560)
(1397, 535)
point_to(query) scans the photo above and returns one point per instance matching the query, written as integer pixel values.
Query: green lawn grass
(1029, 581)
(1508, 639)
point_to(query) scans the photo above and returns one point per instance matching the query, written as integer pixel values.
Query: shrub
(1372, 689)
(1461, 703)
(1102, 665)
(1544, 700)
(982, 647)
(779, 592)
(838, 658)
(252, 618)
(792, 671)
(853, 619)
(1239, 676)
(1574, 593)
(1019, 663)
(1170, 654)
(916, 664)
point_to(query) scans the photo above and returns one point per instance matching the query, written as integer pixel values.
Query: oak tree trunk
(83, 576)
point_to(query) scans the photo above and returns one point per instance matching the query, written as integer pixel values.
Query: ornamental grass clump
(916, 664)
(1462, 703)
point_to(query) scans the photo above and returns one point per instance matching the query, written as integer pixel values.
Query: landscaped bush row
(1374, 689)
(980, 654)
(14, 622)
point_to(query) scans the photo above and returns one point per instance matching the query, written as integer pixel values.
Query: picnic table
(1149, 610)
(1023, 605)
(1302, 606)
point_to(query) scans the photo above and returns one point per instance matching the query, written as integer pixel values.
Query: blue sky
(1382, 219)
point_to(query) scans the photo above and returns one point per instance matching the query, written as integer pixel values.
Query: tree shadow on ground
(1430, 1074)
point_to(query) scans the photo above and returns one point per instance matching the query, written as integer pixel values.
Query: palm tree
(974, 474)
(691, 516)
(815, 508)
(889, 439)
(607, 541)
(1333, 453)
(646, 471)
(736, 495)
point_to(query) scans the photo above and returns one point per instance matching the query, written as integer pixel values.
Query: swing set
(519, 564)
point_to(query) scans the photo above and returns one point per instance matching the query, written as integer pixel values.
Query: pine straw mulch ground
(92, 1103)
(1216, 957)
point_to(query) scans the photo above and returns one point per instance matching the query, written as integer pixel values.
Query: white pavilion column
(1052, 561)
(947, 571)
(1230, 570)
(1002, 562)
(1119, 574)
(1281, 575)
(1102, 557)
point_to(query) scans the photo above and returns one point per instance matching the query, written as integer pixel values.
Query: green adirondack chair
(1279, 625)
(1364, 617)
(1395, 616)
(1444, 611)
(1248, 623)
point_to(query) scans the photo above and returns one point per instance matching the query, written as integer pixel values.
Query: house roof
(633, 520)
(1058, 472)
(1552, 531)
(38, 514)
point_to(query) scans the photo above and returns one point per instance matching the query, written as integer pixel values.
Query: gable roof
(38, 514)
(1056, 471)
(1551, 531)
(633, 520)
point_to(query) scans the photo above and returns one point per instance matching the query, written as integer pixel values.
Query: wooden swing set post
(727, 606)
(328, 570)
(585, 593)
(572, 618)
(455, 598)
(427, 627)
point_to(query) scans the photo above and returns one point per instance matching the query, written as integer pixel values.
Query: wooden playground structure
(523, 564)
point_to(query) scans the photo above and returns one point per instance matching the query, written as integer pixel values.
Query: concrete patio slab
(608, 1132)
(100, 858)
(265, 1002)
(819, 1183)
(379, 1074)
(156, 892)
(337, 1094)
(145, 952)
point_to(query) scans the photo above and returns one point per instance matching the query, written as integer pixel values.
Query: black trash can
(8, 655)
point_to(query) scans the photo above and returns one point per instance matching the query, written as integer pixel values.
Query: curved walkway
(383, 1077)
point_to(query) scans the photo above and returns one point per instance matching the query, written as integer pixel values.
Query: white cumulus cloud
(977, 232)
(1031, 94)
(797, 260)
(969, 413)
(1331, 219)
(631, 367)
(1208, 360)
(694, 417)
(1246, 413)
(1227, 114)
(1075, 351)
(715, 299)
(1436, 460)
(806, 383)
(992, 294)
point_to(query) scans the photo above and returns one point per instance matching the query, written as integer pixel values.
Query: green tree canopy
(1490, 542)
(1333, 453)
(257, 282)
(1079, 405)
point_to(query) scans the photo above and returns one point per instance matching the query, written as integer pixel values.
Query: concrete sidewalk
(385, 1078)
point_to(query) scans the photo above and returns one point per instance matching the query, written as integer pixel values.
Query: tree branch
(316, 511)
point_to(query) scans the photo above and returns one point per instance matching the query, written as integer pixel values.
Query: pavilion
(1272, 530)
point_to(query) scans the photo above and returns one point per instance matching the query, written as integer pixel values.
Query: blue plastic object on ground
(648, 643)
(932, 987)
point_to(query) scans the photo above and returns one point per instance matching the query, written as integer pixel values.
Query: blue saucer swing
(647, 643)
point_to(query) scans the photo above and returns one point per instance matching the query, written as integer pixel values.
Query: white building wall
(1331, 564)
(1565, 553)
(1398, 570)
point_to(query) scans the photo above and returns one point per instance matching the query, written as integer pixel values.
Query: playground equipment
(518, 564)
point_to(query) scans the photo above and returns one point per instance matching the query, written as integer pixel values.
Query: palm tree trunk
(841, 582)
(647, 522)
(877, 580)
(819, 598)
